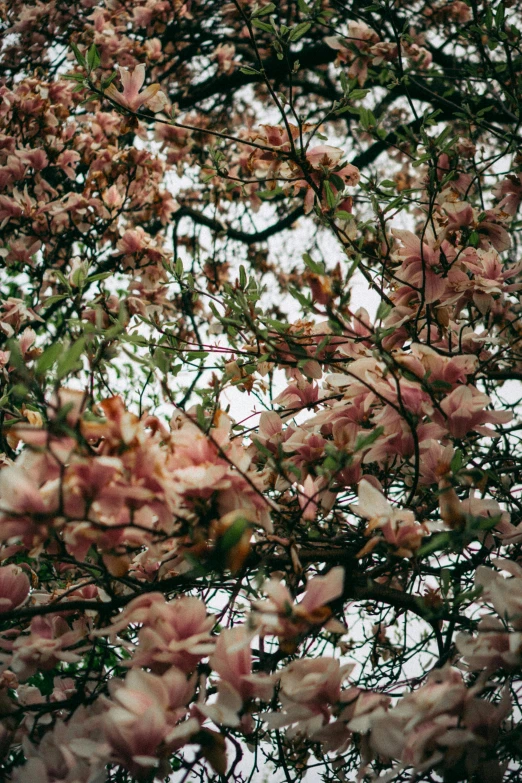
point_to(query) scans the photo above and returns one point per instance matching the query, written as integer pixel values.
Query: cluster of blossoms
(45, 212)
(133, 483)
(161, 704)
(361, 47)
(131, 501)
(177, 581)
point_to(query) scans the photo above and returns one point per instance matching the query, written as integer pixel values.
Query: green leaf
(279, 326)
(109, 80)
(263, 26)
(439, 541)
(79, 56)
(331, 198)
(441, 385)
(53, 299)
(474, 239)
(243, 280)
(48, 358)
(266, 9)
(356, 95)
(93, 58)
(363, 441)
(161, 360)
(348, 109)
(100, 276)
(196, 355)
(61, 277)
(482, 523)
(19, 393)
(383, 311)
(234, 534)
(394, 203)
(443, 136)
(70, 358)
(135, 339)
(267, 195)
(304, 301)
(457, 461)
(313, 266)
(299, 30)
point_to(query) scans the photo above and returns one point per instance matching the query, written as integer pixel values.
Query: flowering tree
(247, 524)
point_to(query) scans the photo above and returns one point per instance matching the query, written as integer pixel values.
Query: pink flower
(75, 751)
(232, 660)
(70, 401)
(324, 156)
(441, 722)
(309, 690)
(464, 411)
(21, 496)
(50, 640)
(144, 712)
(350, 175)
(399, 528)
(14, 587)
(355, 48)
(67, 162)
(509, 191)
(418, 260)
(426, 363)
(308, 496)
(504, 594)
(279, 615)
(224, 55)
(492, 648)
(131, 97)
(172, 634)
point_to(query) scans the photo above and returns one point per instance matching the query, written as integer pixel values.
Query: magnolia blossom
(509, 191)
(309, 689)
(419, 260)
(492, 648)
(232, 660)
(49, 640)
(75, 751)
(464, 410)
(398, 528)
(324, 159)
(442, 722)
(308, 497)
(279, 615)
(14, 587)
(237, 686)
(131, 98)
(504, 594)
(324, 155)
(355, 48)
(144, 714)
(172, 634)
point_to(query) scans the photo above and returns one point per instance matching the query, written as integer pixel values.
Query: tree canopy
(260, 403)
